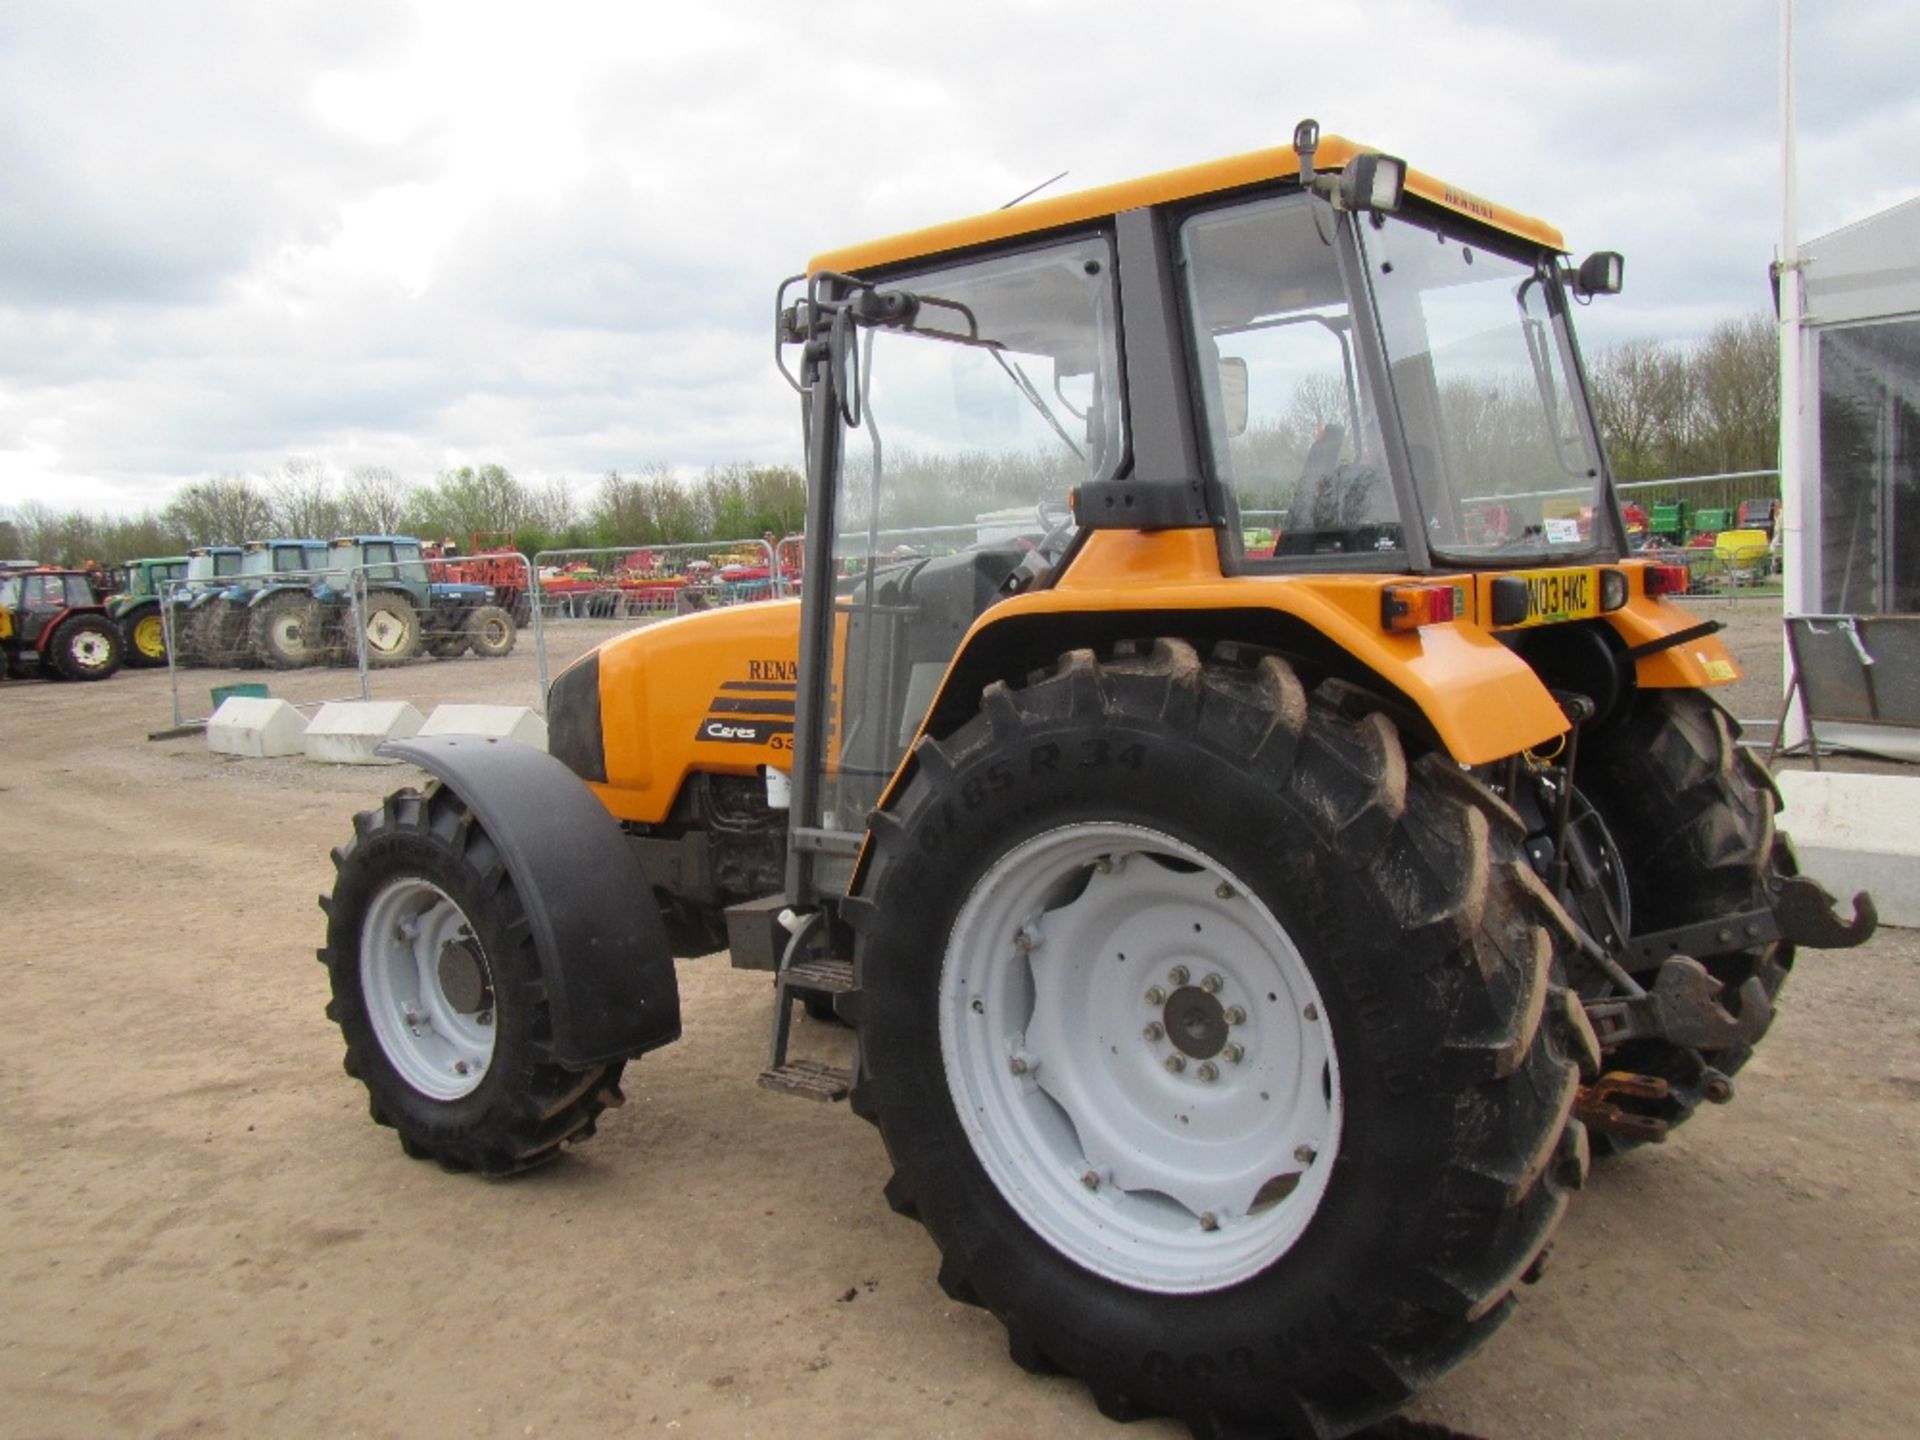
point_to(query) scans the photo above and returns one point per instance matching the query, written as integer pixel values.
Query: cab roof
(1235, 172)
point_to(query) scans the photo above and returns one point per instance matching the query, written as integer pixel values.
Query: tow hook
(1684, 1009)
(1807, 915)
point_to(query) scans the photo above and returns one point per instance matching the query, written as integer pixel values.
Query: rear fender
(603, 948)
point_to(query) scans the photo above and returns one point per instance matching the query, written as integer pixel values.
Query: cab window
(1292, 433)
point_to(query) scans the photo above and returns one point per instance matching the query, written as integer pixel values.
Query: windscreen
(1479, 357)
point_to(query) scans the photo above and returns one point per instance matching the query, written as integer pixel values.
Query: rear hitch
(1595, 1108)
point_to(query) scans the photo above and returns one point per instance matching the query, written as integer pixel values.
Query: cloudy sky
(424, 234)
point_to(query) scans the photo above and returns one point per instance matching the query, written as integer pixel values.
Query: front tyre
(489, 630)
(1211, 1040)
(438, 993)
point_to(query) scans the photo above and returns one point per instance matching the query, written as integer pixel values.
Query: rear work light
(1408, 607)
(1668, 579)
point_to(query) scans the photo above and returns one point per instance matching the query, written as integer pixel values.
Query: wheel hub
(1195, 1022)
(428, 989)
(463, 979)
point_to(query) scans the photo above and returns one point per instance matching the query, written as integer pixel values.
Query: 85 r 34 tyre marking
(1386, 907)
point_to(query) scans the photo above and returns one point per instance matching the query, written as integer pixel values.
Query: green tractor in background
(136, 609)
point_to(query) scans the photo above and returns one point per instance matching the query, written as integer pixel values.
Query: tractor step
(808, 1079)
(820, 977)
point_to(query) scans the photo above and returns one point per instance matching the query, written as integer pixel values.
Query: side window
(46, 592)
(78, 591)
(1291, 429)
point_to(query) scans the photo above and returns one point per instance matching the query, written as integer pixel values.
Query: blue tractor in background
(405, 612)
(229, 624)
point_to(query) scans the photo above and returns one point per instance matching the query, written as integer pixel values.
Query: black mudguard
(602, 944)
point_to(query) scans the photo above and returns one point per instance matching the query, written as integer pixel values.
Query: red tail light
(1668, 579)
(1408, 607)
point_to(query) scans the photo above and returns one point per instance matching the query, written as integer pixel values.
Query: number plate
(1554, 595)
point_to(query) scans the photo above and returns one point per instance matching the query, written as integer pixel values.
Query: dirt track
(205, 1235)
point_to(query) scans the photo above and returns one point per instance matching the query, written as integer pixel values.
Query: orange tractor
(1246, 947)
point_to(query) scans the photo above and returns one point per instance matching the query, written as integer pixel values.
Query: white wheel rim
(288, 633)
(417, 946)
(91, 649)
(1181, 1180)
(386, 632)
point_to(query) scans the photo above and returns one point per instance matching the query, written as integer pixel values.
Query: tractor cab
(1370, 371)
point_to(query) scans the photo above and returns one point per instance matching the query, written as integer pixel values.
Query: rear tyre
(490, 632)
(1210, 1038)
(1691, 814)
(86, 647)
(219, 634)
(392, 631)
(144, 638)
(439, 995)
(286, 631)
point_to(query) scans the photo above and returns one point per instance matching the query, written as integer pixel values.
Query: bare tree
(374, 501)
(303, 502)
(221, 510)
(1643, 391)
(1737, 368)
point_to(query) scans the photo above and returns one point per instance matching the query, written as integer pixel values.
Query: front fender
(603, 948)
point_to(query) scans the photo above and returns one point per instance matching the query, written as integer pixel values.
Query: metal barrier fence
(367, 617)
(652, 582)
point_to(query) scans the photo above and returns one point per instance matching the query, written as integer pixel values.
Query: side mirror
(1233, 394)
(1600, 273)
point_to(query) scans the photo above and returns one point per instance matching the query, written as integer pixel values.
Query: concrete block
(348, 731)
(255, 728)
(492, 722)
(1856, 832)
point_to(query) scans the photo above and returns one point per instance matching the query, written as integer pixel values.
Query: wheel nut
(1233, 1053)
(1091, 1180)
(1312, 1012)
(1236, 1015)
(1208, 1070)
(1209, 1221)
(1156, 996)
(1177, 975)
(1223, 890)
(485, 1017)
(1022, 941)
(460, 1067)
(1017, 1065)
(1176, 1063)
(1304, 1154)
(1104, 865)
(1212, 984)
(1153, 1031)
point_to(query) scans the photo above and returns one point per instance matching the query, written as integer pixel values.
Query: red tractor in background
(52, 621)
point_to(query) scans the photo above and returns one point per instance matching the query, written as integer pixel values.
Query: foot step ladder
(799, 979)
